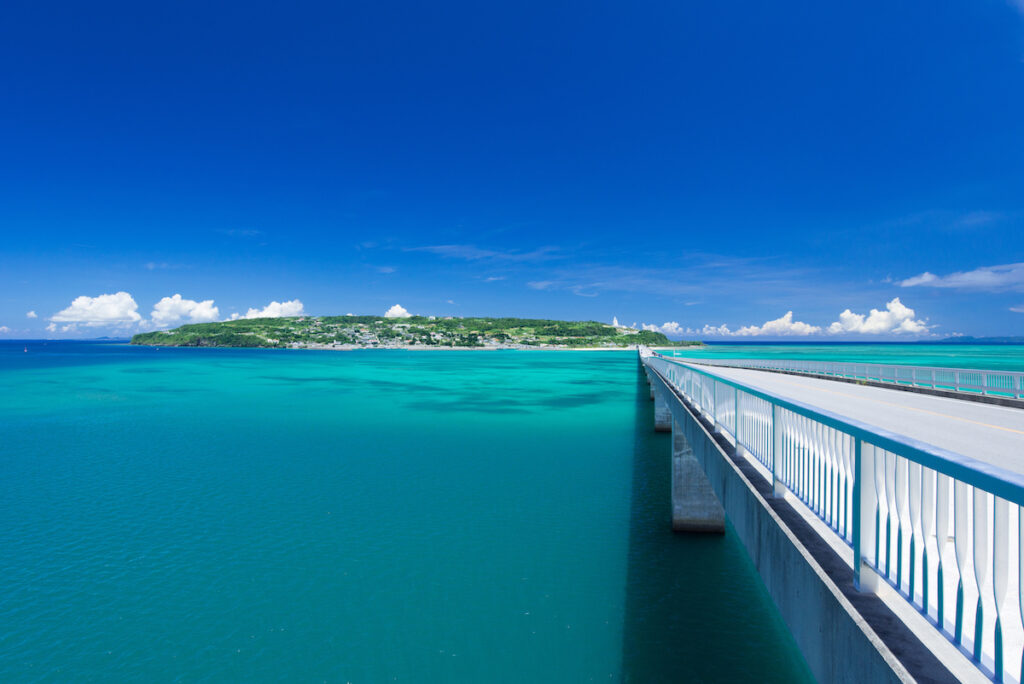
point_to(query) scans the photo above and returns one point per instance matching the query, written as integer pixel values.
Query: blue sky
(702, 164)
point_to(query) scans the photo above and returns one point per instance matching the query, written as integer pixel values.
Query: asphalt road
(994, 434)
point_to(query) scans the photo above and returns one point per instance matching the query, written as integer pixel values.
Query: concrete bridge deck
(887, 525)
(986, 432)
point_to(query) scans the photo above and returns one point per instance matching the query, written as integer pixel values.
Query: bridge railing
(944, 530)
(966, 380)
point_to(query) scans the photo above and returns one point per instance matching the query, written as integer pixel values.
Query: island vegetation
(357, 332)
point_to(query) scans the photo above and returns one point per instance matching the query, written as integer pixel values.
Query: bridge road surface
(986, 432)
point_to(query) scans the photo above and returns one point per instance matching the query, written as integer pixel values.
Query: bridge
(883, 513)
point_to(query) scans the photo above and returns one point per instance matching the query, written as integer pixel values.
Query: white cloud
(397, 311)
(31, 314)
(474, 253)
(386, 269)
(491, 279)
(995, 278)
(780, 326)
(1017, 309)
(172, 310)
(540, 284)
(668, 328)
(4, 329)
(896, 318)
(51, 327)
(274, 310)
(118, 309)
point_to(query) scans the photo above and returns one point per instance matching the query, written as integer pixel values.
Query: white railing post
(980, 558)
(1000, 574)
(942, 522)
(865, 503)
(736, 417)
(778, 489)
(714, 406)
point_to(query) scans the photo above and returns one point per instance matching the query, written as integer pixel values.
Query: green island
(361, 332)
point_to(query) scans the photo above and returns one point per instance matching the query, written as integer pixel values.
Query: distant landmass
(963, 339)
(362, 332)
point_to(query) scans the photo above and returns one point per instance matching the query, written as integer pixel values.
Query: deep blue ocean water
(182, 515)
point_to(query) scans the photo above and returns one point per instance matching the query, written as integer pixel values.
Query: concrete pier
(695, 508)
(647, 374)
(662, 412)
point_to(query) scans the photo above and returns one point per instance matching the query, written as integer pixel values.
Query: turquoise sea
(189, 515)
(983, 356)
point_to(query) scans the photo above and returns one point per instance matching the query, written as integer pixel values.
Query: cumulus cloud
(31, 314)
(118, 309)
(993, 278)
(397, 311)
(780, 326)
(897, 318)
(668, 327)
(173, 310)
(274, 310)
(4, 329)
(715, 331)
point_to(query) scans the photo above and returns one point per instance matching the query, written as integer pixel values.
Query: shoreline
(420, 347)
(400, 348)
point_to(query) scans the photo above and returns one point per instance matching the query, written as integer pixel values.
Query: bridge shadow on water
(696, 610)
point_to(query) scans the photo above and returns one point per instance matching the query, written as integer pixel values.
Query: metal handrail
(897, 502)
(965, 380)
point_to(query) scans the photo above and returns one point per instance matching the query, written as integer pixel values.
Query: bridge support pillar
(662, 413)
(695, 508)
